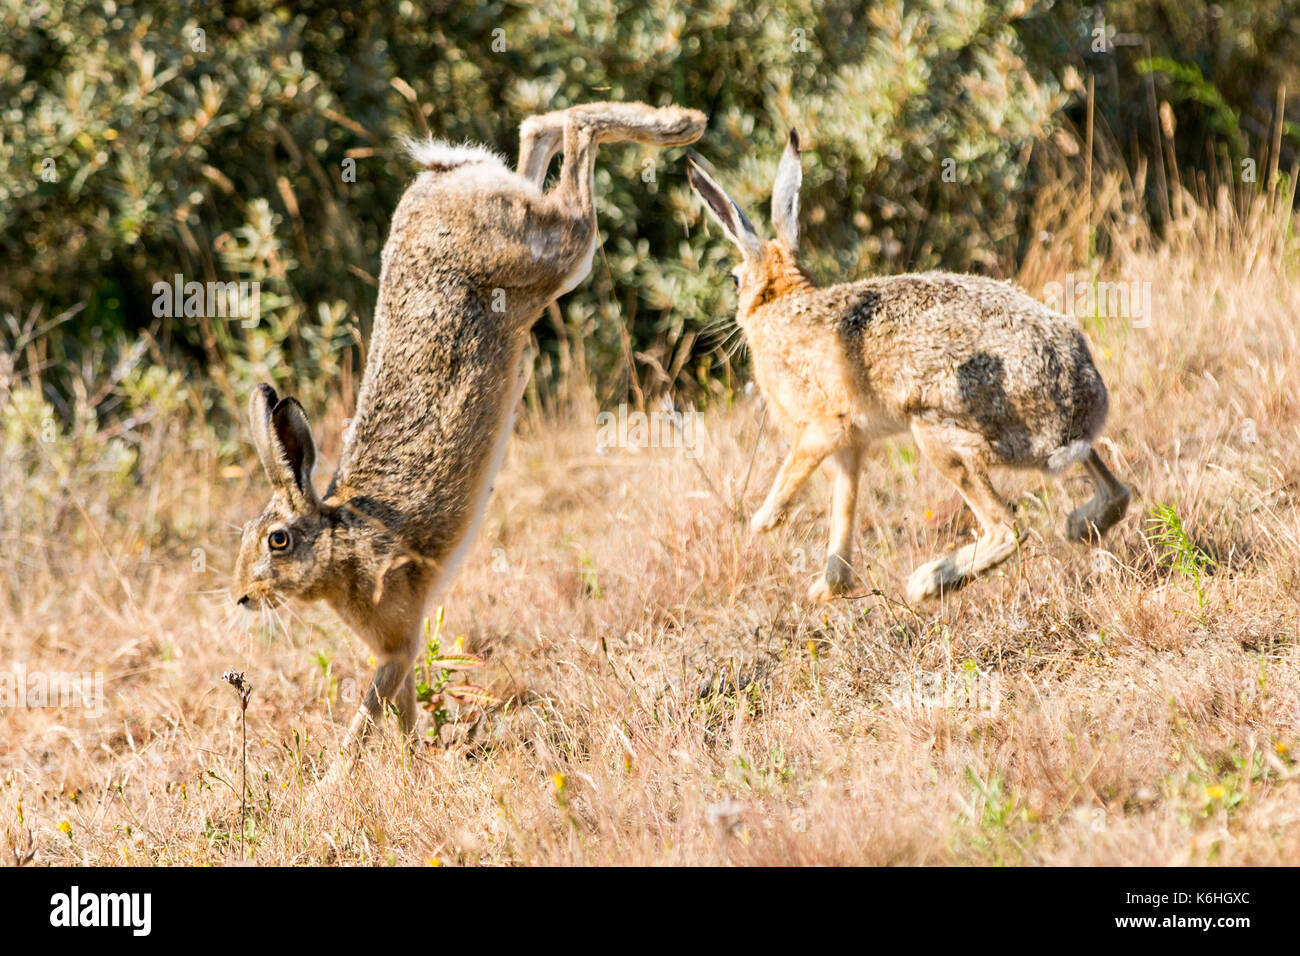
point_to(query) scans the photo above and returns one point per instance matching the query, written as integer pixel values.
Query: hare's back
(460, 214)
(979, 353)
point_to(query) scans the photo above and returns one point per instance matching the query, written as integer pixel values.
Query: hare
(979, 372)
(474, 254)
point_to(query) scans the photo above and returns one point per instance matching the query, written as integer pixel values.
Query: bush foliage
(216, 141)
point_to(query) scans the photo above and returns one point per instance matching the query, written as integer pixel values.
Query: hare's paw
(822, 592)
(658, 126)
(1079, 527)
(932, 577)
(1087, 523)
(678, 126)
(765, 519)
(837, 581)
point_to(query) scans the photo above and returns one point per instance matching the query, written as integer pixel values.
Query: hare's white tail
(440, 155)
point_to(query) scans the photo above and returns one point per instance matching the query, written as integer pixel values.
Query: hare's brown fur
(474, 254)
(980, 373)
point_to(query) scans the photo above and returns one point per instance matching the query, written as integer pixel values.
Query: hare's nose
(244, 601)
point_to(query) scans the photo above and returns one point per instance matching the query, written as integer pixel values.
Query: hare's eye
(278, 539)
(735, 282)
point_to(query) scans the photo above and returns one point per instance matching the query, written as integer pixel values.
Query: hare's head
(286, 550)
(768, 270)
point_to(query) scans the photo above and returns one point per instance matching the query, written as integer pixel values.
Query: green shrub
(145, 140)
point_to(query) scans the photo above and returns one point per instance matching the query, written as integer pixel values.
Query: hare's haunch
(979, 372)
(475, 253)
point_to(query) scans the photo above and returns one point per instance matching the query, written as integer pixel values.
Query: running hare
(475, 253)
(979, 372)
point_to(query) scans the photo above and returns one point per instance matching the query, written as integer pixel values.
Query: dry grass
(671, 700)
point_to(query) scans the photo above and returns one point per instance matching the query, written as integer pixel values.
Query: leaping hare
(980, 373)
(474, 254)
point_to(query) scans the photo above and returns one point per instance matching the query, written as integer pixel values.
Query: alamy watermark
(215, 300)
(74, 908)
(21, 688)
(968, 689)
(660, 429)
(1083, 297)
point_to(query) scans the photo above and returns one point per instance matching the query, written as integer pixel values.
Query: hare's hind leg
(566, 228)
(586, 127)
(1093, 518)
(540, 136)
(612, 122)
(838, 578)
(955, 453)
(539, 140)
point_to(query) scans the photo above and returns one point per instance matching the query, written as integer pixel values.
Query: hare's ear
(785, 194)
(725, 212)
(284, 443)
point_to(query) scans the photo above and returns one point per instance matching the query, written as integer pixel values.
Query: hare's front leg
(809, 450)
(404, 700)
(838, 577)
(393, 684)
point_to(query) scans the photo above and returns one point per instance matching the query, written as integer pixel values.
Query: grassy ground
(670, 698)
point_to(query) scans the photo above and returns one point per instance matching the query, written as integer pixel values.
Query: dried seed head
(242, 687)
